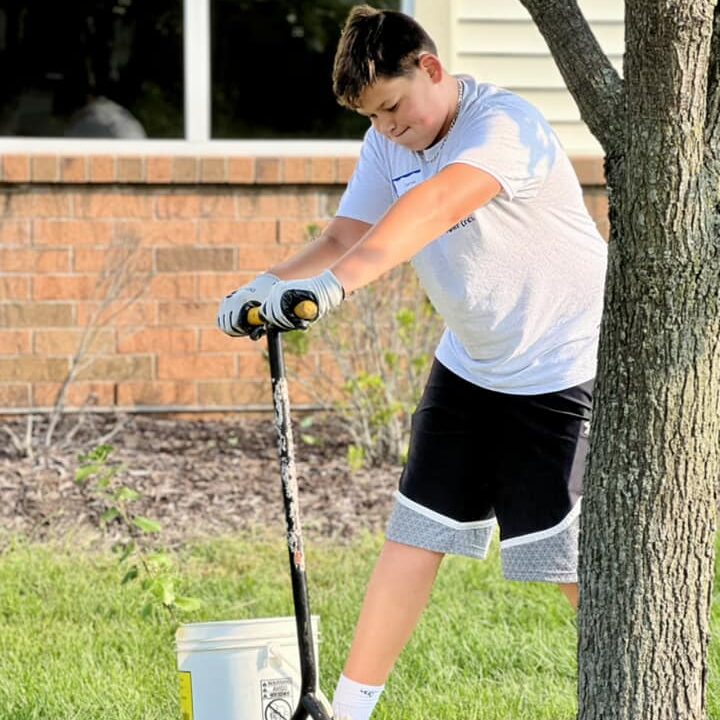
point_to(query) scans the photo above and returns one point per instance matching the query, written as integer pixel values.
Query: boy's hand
(324, 290)
(232, 316)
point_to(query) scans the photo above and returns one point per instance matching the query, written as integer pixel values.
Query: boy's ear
(431, 65)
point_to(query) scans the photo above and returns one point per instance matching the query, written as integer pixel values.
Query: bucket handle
(274, 651)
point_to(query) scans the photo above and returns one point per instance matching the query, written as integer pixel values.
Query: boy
(469, 183)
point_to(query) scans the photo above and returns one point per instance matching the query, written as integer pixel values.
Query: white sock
(355, 701)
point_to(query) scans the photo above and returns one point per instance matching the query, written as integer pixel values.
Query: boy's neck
(453, 105)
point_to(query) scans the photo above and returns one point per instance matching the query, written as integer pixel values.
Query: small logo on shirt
(406, 182)
(463, 223)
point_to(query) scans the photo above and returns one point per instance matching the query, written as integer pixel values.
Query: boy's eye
(394, 107)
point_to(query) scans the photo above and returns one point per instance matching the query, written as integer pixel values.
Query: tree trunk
(649, 513)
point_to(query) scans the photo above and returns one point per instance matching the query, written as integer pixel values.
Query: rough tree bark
(649, 513)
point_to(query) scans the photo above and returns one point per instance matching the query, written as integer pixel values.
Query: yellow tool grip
(305, 310)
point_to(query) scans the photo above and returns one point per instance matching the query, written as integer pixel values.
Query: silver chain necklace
(435, 149)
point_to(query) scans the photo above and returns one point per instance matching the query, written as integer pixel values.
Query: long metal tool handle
(309, 705)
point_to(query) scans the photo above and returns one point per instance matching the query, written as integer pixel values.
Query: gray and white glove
(232, 316)
(324, 290)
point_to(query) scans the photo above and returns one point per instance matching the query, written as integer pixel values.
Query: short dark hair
(374, 44)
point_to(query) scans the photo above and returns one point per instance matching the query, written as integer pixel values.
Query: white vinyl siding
(496, 41)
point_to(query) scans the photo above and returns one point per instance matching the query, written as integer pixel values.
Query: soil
(198, 478)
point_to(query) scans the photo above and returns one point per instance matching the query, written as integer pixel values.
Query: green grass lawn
(74, 644)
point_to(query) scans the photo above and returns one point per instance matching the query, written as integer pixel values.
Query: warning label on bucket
(186, 701)
(277, 699)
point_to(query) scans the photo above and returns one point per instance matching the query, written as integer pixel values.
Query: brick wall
(198, 227)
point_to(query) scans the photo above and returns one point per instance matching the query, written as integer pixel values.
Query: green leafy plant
(138, 557)
(374, 356)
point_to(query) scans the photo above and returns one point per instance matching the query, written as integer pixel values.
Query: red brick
(15, 232)
(158, 232)
(252, 366)
(73, 169)
(15, 342)
(277, 205)
(18, 204)
(185, 205)
(195, 367)
(186, 314)
(156, 393)
(67, 341)
(45, 168)
(267, 170)
(14, 287)
(89, 259)
(159, 170)
(185, 169)
(16, 168)
(297, 232)
(323, 170)
(32, 369)
(65, 287)
(118, 367)
(193, 259)
(262, 257)
(241, 170)
(213, 170)
(130, 169)
(172, 286)
(590, 170)
(71, 232)
(345, 168)
(214, 340)
(296, 169)
(79, 394)
(234, 394)
(113, 205)
(139, 313)
(229, 232)
(102, 169)
(158, 340)
(97, 260)
(39, 261)
(15, 395)
(127, 251)
(34, 315)
(57, 204)
(300, 395)
(215, 286)
(217, 206)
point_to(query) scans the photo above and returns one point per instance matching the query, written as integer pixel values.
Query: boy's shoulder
(486, 99)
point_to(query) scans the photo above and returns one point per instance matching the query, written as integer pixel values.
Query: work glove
(232, 316)
(324, 290)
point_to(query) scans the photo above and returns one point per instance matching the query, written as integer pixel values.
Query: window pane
(272, 69)
(91, 68)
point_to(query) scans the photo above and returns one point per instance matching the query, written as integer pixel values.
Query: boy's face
(408, 110)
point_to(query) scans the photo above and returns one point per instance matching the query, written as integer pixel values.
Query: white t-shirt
(520, 281)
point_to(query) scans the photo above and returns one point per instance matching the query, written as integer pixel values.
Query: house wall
(498, 42)
(201, 226)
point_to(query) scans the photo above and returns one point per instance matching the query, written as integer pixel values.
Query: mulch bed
(199, 478)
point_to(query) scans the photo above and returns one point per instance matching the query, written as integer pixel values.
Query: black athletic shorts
(480, 458)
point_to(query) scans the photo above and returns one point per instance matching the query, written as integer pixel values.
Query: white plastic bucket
(240, 670)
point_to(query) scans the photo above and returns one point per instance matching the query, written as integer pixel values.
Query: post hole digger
(312, 703)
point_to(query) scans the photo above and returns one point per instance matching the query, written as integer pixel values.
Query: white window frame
(197, 141)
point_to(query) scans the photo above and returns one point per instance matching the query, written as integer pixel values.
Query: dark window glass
(272, 69)
(91, 68)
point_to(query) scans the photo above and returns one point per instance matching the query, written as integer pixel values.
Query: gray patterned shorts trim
(545, 556)
(416, 525)
(548, 555)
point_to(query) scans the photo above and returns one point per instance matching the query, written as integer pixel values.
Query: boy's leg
(397, 594)
(570, 590)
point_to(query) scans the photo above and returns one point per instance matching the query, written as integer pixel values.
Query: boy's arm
(416, 219)
(336, 240)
